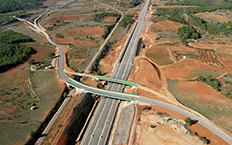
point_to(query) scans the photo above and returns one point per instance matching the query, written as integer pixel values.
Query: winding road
(65, 78)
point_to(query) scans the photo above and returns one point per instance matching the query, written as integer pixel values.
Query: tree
(59, 35)
(51, 54)
(32, 134)
(99, 72)
(188, 121)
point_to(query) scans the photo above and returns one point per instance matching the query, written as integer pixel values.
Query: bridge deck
(111, 79)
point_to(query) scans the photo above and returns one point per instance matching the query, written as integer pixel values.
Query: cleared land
(85, 31)
(212, 17)
(166, 25)
(159, 54)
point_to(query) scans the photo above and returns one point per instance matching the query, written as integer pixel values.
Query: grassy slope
(46, 87)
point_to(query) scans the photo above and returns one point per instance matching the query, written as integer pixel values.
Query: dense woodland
(11, 52)
(16, 5)
(127, 19)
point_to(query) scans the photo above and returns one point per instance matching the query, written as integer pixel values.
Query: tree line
(16, 5)
(11, 52)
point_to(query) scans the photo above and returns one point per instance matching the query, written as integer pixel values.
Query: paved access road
(65, 78)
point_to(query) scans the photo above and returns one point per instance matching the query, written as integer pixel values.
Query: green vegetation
(11, 52)
(59, 35)
(51, 54)
(135, 3)
(103, 54)
(79, 116)
(36, 135)
(188, 121)
(203, 139)
(15, 5)
(98, 17)
(175, 15)
(152, 126)
(107, 31)
(191, 2)
(216, 111)
(188, 32)
(213, 82)
(6, 19)
(127, 19)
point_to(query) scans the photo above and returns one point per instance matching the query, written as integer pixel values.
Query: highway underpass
(65, 78)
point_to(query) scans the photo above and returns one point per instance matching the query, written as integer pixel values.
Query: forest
(11, 52)
(127, 19)
(16, 5)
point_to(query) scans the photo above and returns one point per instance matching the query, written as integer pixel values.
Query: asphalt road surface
(65, 78)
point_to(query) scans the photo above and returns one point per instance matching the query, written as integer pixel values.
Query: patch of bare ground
(212, 17)
(65, 50)
(110, 19)
(227, 60)
(163, 132)
(74, 42)
(96, 32)
(159, 54)
(181, 70)
(107, 64)
(166, 25)
(89, 81)
(146, 74)
(214, 46)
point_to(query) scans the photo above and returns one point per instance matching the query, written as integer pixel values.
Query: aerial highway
(108, 93)
(98, 131)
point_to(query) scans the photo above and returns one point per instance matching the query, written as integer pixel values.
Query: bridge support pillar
(67, 85)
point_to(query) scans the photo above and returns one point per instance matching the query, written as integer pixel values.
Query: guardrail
(117, 80)
(110, 96)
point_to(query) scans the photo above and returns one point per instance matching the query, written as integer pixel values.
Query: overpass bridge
(116, 80)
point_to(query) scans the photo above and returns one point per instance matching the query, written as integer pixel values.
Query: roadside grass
(218, 111)
(159, 54)
(85, 52)
(47, 89)
(205, 73)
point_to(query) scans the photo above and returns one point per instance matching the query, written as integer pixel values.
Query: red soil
(110, 19)
(181, 47)
(166, 25)
(227, 61)
(86, 31)
(107, 64)
(212, 16)
(141, 73)
(74, 42)
(25, 25)
(208, 45)
(202, 92)
(181, 69)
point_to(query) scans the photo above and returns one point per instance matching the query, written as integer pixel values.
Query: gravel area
(124, 125)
